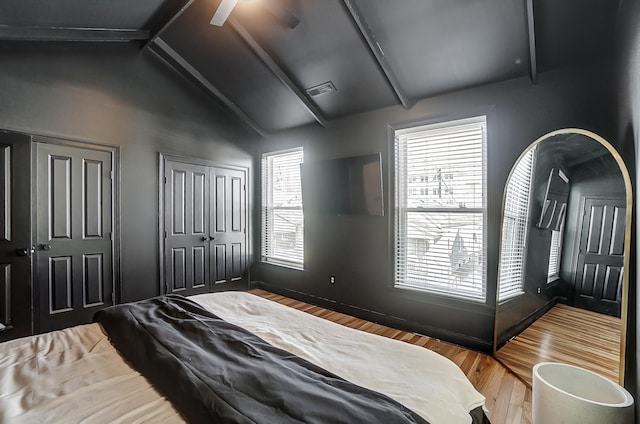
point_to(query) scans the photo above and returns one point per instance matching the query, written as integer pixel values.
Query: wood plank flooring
(569, 335)
(507, 397)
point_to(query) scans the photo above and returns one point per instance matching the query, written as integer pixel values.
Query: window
(440, 239)
(282, 218)
(514, 228)
(553, 272)
(555, 250)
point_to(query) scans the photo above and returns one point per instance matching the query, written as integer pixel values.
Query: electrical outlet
(332, 279)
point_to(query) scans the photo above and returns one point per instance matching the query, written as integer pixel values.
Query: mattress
(76, 375)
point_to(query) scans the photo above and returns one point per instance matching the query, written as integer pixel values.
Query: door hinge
(111, 175)
(165, 180)
(165, 234)
(113, 298)
(110, 235)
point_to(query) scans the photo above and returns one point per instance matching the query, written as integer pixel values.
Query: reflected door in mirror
(598, 282)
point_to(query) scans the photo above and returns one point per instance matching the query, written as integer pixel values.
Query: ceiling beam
(177, 62)
(377, 52)
(21, 33)
(277, 70)
(531, 36)
(168, 19)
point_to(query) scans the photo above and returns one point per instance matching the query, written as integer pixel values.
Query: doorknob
(27, 251)
(205, 238)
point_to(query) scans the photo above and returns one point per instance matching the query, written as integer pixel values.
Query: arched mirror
(564, 252)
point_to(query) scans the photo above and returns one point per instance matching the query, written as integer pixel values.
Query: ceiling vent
(325, 87)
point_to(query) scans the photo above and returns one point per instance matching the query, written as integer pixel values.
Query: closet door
(15, 236)
(204, 226)
(187, 201)
(229, 226)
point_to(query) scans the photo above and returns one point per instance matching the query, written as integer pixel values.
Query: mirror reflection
(561, 288)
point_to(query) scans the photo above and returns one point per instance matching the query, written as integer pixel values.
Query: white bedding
(77, 376)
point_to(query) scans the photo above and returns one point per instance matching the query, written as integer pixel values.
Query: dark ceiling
(375, 52)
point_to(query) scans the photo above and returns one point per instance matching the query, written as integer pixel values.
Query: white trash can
(566, 394)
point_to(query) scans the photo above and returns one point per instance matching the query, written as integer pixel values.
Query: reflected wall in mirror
(562, 286)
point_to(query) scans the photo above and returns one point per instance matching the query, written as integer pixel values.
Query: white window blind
(555, 250)
(440, 208)
(554, 254)
(514, 229)
(282, 218)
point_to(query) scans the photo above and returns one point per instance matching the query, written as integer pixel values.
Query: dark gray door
(187, 227)
(229, 226)
(74, 262)
(204, 228)
(15, 236)
(599, 270)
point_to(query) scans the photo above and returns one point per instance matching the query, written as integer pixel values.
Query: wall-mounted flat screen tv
(556, 196)
(343, 186)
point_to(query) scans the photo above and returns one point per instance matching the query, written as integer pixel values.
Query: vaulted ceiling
(261, 62)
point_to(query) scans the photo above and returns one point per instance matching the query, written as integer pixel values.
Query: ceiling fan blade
(224, 10)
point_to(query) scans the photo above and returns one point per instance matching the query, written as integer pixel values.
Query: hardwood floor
(569, 335)
(507, 397)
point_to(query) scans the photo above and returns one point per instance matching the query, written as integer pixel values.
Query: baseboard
(513, 331)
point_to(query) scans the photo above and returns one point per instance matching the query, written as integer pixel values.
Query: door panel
(60, 196)
(60, 286)
(15, 236)
(5, 193)
(179, 269)
(186, 228)
(74, 232)
(92, 210)
(237, 261)
(5, 294)
(599, 270)
(93, 281)
(220, 263)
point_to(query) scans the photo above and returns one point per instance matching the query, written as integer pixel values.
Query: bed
(77, 375)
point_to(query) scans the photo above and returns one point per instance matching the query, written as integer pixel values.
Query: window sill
(283, 265)
(434, 298)
(456, 296)
(511, 299)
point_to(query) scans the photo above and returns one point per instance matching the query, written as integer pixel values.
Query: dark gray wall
(357, 249)
(115, 94)
(629, 133)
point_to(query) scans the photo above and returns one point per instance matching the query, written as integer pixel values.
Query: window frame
(558, 236)
(266, 194)
(481, 118)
